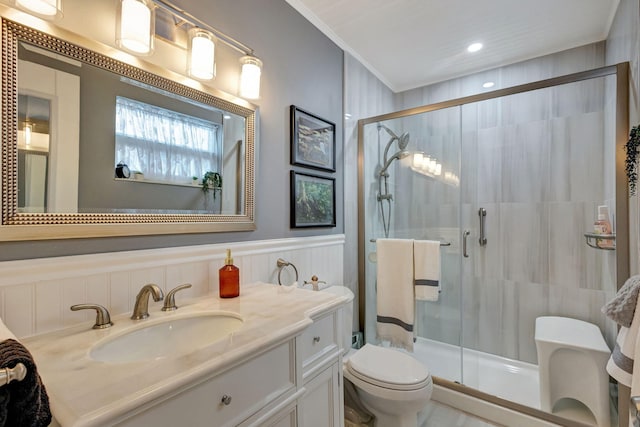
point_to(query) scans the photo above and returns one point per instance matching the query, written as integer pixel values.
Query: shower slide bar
(12, 374)
(441, 243)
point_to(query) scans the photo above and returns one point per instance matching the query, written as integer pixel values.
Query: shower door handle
(482, 214)
(465, 234)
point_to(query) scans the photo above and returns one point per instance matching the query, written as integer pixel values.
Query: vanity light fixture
(474, 47)
(47, 9)
(135, 26)
(201, 54)
(28, 129)
(250, 77)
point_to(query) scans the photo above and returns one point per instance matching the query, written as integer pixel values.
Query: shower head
(403, 141)
(399, 155)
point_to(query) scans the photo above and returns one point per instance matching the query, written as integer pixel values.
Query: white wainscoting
(35, 294)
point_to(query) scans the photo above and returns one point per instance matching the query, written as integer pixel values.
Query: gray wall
(301, 67)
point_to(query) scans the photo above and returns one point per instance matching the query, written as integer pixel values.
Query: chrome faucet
(141, 309)
(103, 320)
(170, 300)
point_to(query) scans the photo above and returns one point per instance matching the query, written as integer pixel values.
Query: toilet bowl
(392, 385)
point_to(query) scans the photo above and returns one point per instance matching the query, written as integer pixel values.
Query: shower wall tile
(571, 262)
(525, 165)
(489, 165)
(533, 302)
(578, 98)
(524, 238)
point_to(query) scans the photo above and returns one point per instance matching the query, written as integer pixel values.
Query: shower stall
(509, 182)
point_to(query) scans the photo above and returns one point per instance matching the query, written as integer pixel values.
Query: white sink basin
(173, 336)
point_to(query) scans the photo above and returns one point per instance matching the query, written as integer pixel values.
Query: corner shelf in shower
(592, 239)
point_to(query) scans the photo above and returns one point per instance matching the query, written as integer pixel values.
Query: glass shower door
(537, 164)
(412, 191)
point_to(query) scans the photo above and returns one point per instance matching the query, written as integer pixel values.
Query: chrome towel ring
(281, 265)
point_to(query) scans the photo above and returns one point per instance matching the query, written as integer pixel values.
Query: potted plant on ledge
(212, 181)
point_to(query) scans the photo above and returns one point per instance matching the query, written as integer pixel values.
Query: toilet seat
(388, 368)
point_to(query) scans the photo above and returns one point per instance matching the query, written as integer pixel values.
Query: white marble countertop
(84, 392)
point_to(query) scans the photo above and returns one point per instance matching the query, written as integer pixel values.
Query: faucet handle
(103, 320)
(170, 301)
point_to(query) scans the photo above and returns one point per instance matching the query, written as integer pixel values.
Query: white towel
(621, 363)
(395, 292)
(426, 259)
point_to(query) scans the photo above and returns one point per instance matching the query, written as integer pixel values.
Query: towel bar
(282, 264)
(441, 243)
(10, 374)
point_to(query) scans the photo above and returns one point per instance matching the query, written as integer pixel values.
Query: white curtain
(165, 145)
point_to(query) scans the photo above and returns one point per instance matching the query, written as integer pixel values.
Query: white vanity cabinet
(251, 393)
(321, 354)
(283, 368)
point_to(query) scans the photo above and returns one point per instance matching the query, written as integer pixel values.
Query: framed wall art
(313, 141)
(313, 201)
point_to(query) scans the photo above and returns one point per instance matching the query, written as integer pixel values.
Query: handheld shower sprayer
(383, 175)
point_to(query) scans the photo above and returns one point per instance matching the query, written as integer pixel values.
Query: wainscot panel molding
(35, 294)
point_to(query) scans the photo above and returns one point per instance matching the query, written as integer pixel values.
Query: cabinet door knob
(316, 339)
(226, 399)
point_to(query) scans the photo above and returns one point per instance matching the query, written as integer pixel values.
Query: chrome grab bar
(482, 213)
(465, 234)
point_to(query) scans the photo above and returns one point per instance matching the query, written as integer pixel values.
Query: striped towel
(395, 301)
(426, 258)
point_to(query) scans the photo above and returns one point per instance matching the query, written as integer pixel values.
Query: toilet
(572, 358)
(391, 384)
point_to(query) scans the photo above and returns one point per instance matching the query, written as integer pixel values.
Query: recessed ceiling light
(474, 47)
(487, 85)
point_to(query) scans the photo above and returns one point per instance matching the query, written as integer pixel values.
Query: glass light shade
(425, 163)
(48, 9)
(438, 170)
(136, 26)
(417, 160)
(201, 55)
(28, 128)
(250, 77)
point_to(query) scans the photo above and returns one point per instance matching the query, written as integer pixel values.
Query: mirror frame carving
(15, 225)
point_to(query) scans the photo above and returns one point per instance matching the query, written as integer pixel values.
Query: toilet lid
(388, 368)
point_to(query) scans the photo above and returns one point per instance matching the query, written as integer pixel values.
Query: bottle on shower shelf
(603, 226)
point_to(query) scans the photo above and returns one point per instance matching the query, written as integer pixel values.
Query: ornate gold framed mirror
(93, 146)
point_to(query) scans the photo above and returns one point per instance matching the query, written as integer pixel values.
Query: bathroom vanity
(281, 367)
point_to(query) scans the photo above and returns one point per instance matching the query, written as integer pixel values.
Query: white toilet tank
(347, 313)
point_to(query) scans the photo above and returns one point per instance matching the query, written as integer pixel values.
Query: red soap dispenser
(229, 278)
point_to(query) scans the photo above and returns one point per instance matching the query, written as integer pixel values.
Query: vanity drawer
(250, 386)
(318, 340)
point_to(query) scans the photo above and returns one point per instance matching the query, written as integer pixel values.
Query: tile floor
(439, 415)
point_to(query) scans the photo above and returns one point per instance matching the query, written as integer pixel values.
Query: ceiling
(412, 43)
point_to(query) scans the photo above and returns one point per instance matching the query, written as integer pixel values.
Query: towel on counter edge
(394, 289)
(426, 260)
(622, 307)
(22, 403)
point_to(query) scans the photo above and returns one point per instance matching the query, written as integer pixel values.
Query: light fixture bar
(186, 16)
